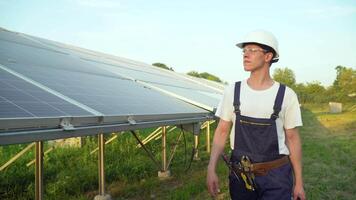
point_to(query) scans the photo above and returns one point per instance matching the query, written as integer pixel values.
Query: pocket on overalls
(258, 136)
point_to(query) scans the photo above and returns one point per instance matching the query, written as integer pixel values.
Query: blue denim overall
(257, 138)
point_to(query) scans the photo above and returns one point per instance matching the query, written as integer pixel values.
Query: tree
(312, 92)
(205, 75)
(163, 66)
(315, 92)
(285, 76)
(301, 92)
(211, 77)
(344, 84)
(194, 73)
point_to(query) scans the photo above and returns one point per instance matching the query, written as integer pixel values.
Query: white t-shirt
(259, 104)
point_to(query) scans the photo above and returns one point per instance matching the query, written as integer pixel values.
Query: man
(264, 138)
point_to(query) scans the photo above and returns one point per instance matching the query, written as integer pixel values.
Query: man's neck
(260, 80)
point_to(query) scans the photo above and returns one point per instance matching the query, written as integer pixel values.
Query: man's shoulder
(290, 95)
(288, 91)
(230, 87)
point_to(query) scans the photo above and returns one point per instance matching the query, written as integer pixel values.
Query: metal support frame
(13, 159)
(81, 127)
(164, 173)
(106, 142)
(101, 164)
(164, 150)
(39, 171)
(151, 136)
(101, 169)
(196, 152)
(44, 154)
(174, 149)
(155, 135)
(208, 136)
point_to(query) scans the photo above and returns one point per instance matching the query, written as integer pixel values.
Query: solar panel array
(44, 80)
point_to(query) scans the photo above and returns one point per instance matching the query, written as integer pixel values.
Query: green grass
(329, 149)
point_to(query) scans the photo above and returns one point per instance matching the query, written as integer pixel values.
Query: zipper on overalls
(255, 123)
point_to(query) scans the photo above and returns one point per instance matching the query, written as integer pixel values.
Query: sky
(314, 36)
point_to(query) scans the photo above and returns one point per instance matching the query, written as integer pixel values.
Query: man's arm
(220, 136)
(294, 144)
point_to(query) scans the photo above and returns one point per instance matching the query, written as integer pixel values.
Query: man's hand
(212, 183)
(220, 137)
(298, 192)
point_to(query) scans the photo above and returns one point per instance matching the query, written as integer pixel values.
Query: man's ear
(269, 57)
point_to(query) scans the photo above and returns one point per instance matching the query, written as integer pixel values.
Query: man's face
(254, 57)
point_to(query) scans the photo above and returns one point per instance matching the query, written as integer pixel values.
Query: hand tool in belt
(229, 165)
(260, 169)
(247, 173)
(248, 170)
(242, 169)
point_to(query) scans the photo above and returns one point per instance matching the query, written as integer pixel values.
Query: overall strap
(278, 101)
(237, 111)
(237, 98)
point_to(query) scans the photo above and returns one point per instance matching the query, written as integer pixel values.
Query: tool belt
(261, 169)
(247, 170)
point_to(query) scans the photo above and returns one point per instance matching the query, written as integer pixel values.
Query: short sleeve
(225, 108)
(293, 116)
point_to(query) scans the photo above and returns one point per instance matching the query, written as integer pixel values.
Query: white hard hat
(261, 37)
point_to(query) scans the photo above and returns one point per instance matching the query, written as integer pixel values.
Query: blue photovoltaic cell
(107, 95)
(154, 76)
(51, 90)
(81, 81)
(19, 99)
(43, 57)
(136, 70)
(191, 88)
(209, 99)
(19, 38)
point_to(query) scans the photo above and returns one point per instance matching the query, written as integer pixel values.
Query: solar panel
(20, 99)
(160, 78)
(21, 54)
(170, 81)
(204, 99)
(99, 89)
(136, 70)
(150, 75)
(48, 89)
(22, 39)
(110, 95)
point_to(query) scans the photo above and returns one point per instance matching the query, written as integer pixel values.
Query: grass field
(329, 153)
(329, 149)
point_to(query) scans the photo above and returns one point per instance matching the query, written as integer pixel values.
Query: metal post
(208, 137)
(101, 164)
(39, 171)
(101, 168)
(196, 142)
(164, 173)
(164, 152)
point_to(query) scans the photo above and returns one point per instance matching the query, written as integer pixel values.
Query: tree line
(343, 88)
(204, 75)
